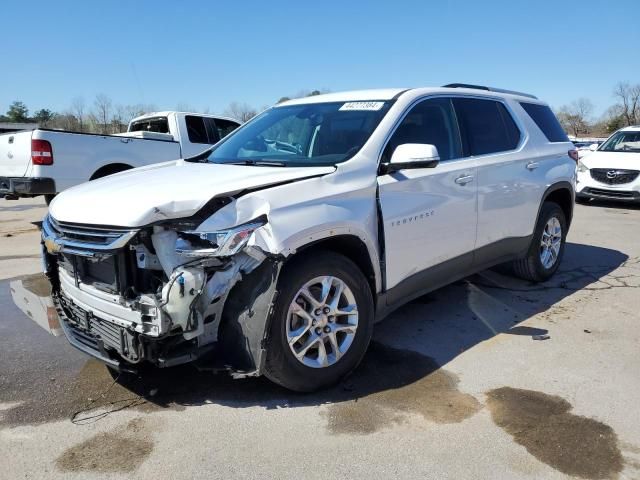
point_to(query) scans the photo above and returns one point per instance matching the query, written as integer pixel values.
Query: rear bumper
(26, 186)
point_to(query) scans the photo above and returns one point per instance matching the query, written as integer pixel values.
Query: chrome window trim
(524, 135)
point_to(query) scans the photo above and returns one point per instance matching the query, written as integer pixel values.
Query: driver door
(429, 215)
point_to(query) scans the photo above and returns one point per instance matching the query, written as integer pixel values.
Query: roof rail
(488, 89)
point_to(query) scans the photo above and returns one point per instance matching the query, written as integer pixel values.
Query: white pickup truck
(46, 162)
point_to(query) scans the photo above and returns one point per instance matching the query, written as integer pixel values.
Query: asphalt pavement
(490, 377)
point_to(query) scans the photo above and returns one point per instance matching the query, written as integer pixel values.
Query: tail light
(573, 154)
(41, 152)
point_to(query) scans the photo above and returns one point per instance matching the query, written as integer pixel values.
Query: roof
(355, 95)
(391, 93)
(631, 128)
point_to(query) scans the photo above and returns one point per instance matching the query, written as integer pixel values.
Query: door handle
(464, 179)
(532, 165)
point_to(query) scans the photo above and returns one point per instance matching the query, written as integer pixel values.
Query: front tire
(322, 322)
(547, 246)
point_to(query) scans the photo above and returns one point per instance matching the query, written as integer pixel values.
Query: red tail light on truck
(41, 152)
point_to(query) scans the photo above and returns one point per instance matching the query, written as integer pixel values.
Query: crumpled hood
(167, 190)
(623, 160)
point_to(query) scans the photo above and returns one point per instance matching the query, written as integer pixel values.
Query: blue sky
(207, 54)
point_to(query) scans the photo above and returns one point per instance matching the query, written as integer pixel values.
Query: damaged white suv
(276, 251)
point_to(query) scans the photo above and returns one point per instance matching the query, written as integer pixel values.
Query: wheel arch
(352, 247)
(109, 169)
(561, 193)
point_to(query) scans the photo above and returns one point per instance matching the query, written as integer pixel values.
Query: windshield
(302, 135)
(622, 142)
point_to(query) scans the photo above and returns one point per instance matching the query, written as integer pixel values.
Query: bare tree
(102, 112)
(629, 101)
(240, 111)
(77, 110)
(575, 117)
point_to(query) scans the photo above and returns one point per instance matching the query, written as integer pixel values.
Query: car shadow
(51, 380)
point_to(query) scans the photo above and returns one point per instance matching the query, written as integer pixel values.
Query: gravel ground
(454, 385)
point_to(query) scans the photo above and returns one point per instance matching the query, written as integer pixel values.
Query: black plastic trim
(450, 271)
(27, 186)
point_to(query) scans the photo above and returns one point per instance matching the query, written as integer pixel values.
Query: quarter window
(431, 122)
(486, 126)
(546, 121)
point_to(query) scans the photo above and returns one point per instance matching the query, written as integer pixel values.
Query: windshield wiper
(265, 163)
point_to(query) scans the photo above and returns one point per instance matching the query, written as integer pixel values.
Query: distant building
(7, 127)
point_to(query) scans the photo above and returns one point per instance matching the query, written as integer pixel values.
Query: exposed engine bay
(158, 294)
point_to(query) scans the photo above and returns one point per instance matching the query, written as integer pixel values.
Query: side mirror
(593, 147)
(412, 155)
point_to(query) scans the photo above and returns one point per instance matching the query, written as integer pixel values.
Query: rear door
(15, 154)
(429, 214)
(506, 188)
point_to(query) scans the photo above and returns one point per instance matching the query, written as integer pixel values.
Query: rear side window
(196, 129)
(225, 127)
(546, 121)
(486, 126)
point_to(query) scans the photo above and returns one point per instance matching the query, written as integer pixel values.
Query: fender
(562, 185)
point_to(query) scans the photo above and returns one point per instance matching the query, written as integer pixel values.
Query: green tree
(18, 112)
(44, 116)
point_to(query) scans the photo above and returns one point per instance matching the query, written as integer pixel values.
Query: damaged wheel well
(351, 247)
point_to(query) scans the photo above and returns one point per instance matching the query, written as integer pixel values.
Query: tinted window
(196, 129)
(546, 121)
(486, 126)
(225, 127)
(212, 130)
(432, 122)
(157, 124)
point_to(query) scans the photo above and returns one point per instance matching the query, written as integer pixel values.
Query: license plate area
(100, 273)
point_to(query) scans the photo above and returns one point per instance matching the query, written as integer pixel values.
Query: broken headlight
(222, 243)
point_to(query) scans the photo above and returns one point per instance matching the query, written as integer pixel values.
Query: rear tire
(48, 198)
(547, 246)
(331, 343)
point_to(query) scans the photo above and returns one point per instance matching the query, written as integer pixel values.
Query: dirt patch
(391, 385)
(121, 450)
(541, 423)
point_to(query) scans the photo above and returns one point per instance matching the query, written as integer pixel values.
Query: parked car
(277, 251)
(584, 148)
(612, 171)
(46, 162)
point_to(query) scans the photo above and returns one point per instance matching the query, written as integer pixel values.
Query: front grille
(614, 177)
(611, 193)
(88, 236)
(96, 333)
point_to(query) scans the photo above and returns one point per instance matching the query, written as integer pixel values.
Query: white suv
(612, 171)
(275, 252)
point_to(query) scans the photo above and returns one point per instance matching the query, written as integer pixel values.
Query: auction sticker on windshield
(362, 106)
